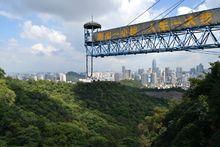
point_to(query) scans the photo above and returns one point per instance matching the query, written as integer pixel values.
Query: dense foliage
(45, 113)
(131, 83)
(2, 73)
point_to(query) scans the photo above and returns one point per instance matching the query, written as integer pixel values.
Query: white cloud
(55, 40)
(133, 8)
(208, 4)
(13, 42)
(69, 10)
(45, 17)
(126, 12)
(183, 10)
(40, 49)
(37, 32)
(9, 15)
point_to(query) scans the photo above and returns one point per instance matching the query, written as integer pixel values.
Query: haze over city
(47, 36)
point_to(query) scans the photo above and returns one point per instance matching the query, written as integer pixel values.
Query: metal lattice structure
(191, 39)
(200, 30)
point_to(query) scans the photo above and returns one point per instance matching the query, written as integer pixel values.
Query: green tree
(98, 141)
(152, 126)
(3, 143)
(7, 96)
(29, 136)
(2, 73)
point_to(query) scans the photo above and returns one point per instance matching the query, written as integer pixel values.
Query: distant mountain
(73, 76)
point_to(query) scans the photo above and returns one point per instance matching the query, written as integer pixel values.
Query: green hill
(45, 113)
(131, 83)
(73, 76)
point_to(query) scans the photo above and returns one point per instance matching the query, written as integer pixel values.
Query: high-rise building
(179, 73)
(117, 77)
(149, 78)
(62, 77)
(140, 71)
(158, 72)
(127, 74)
(40, 77)
(137, 77)
(154, 65)
(167, 75)
(149, 71)
(173, 78)
(104, 76)
(154, 78)
(50, 77)
(192, 72)
(35, 78)
(144, 79)
(199, 69)
(163, 79)
(123, 72)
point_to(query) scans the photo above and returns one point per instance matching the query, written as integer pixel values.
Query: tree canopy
(45, 113)
(2, 73)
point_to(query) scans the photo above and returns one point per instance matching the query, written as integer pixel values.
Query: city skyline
(118, 70)
(152, 77)
(155, 77)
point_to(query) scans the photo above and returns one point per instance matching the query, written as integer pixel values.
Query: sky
(47, 35)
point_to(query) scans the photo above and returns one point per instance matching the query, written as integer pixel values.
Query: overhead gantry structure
(194, 31)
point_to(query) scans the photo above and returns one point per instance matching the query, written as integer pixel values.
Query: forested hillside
(102, 114)
(45, 113)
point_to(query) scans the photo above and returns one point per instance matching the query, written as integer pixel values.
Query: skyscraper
(199, 69)
(192, 72)
(144, 79)
(123, 72)
(62, 77)
(179, 73)
(167, 75)
(154, 65)
(127, 74)
(140, 71)
(117, 77)
(153, 78)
